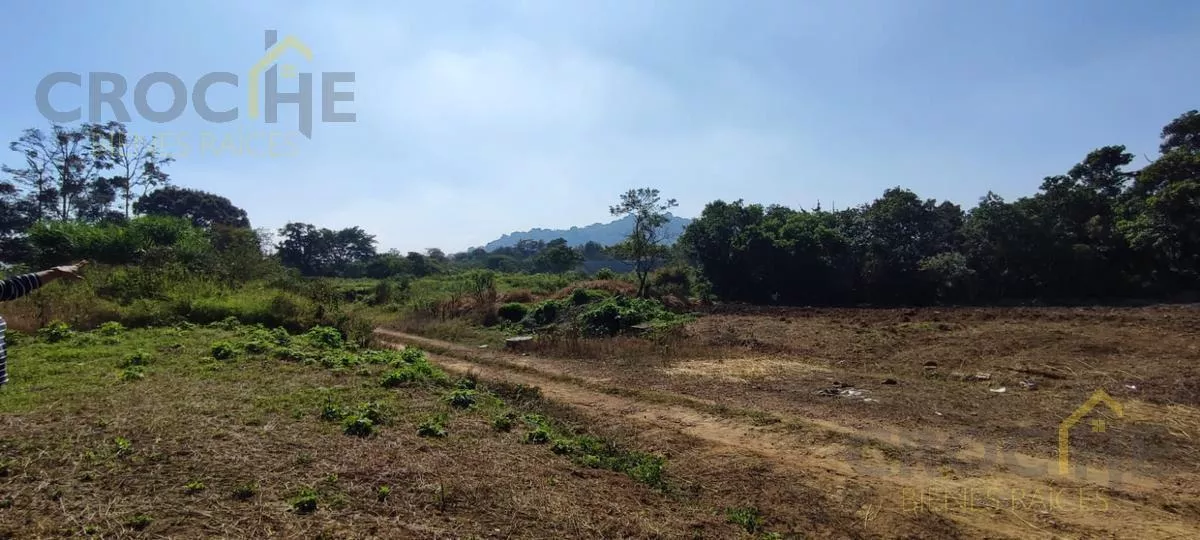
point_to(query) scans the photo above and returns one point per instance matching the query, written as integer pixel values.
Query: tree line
(1100, 230)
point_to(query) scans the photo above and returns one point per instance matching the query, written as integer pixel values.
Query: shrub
(324, 337)
(223, 350)
(133, 373)
(413, 373)
(606, 273)
(434, 426)
(613, 315)
(544, 313)
(281, 337)
(538, 436)
(257, 347)
(377, 356)
(55, 332)
(140, 358)
(305, 502)
(412, 355)
(461, 398)
(504, 422)
(358, 426)
(513, 312)
(110, 328)
(331, 412)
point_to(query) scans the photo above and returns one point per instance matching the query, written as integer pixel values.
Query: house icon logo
(275, 49)
(1064, 429)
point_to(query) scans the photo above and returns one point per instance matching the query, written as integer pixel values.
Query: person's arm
(18, 286)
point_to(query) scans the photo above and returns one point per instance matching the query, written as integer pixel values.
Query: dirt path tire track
(1131, 516)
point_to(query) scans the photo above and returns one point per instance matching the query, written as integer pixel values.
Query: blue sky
(476, 118)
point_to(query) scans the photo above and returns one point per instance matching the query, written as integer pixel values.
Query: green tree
(556, 258)
(202, 208)
(642, 247)
(1162, 221)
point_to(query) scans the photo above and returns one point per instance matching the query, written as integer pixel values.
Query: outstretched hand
(69, 271)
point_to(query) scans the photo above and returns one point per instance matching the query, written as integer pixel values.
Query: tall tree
(643, 247)
(135, 161)
(62, 171)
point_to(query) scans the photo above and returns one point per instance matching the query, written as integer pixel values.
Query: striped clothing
(11, 289)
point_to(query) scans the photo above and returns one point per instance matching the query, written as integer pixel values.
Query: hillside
(602, 233)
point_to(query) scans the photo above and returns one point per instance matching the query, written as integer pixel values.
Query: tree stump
(518, 343)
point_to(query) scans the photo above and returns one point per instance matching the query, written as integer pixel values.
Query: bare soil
(896, 418)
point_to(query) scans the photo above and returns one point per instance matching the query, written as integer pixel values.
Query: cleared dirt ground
(897, 418)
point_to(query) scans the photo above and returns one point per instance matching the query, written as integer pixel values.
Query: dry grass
(919, 367)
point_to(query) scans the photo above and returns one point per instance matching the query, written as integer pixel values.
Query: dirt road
(986, 495)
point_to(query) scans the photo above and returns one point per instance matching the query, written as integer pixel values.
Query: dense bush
(513, 311)
(617, 314)
(543, 313)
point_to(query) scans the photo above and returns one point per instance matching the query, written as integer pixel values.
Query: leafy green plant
(139, 522)
(245, 491)
(468, 381)
(537, 436)
(358, 426)
(544, 313)
(223, 350)
(133, 373)
(325, 337)
(461, 398)
(55, 332)
(412, 355)
(613, 315)
(195, 486)
(124, 446)
(110, 328)
(281, 337)
(305, 502)
(257, 347)
(504, 422)
(140, 358)
(416, 372)
(382, 493)
(433, 426)
(228, 323)
(331, 412)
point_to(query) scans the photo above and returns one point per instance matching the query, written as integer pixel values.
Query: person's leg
(3, 354)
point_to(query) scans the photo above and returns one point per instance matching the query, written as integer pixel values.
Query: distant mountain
(605, 234)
